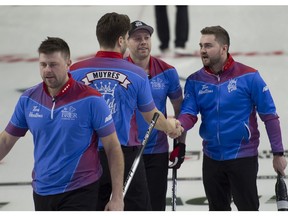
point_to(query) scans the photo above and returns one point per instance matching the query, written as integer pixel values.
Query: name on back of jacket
(95, 75)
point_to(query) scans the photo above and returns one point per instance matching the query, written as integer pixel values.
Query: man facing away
(125, 87)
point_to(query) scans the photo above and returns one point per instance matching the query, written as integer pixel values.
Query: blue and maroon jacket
(65, 132)
(228, 103)
(124, 86)
(164, 83)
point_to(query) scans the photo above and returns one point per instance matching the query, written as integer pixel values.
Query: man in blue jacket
(67, 120)
(125, 87)
(228, 94)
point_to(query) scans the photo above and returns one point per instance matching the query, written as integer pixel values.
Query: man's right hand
(175, 129)
(115, 205)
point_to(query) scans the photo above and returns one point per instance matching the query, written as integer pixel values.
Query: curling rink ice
(258, 38)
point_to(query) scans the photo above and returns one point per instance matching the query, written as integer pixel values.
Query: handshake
(174, 128)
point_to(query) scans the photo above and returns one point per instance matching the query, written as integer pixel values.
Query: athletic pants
(156, 166)
(82, 199)
(224, 180)
(181, 26)
(137, 196)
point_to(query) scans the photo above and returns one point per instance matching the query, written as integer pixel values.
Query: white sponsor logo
(35, 112)
(108, 118)
(265, 88)
(205, 90)
(35, 115)
(68, 113)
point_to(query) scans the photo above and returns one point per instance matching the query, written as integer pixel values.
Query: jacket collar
(64, 89)
(225, 67)
(108, 54)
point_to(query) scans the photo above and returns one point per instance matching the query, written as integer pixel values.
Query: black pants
(137, 196)
(156, 166)
(181, 26)
(224, 180)
(82, 199)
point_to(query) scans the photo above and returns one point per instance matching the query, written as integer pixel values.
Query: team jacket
(123, 85)
(164, 82)
(228, 104)
(65, 131)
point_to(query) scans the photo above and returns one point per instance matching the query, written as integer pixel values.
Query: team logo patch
(232, 85)
(138, 23)
(157, 84)
(107, 90)
(69, 113)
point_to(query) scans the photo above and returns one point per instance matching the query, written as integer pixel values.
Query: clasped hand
(175, 128)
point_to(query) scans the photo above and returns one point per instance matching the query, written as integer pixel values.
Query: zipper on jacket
(218, 112)
(53, 106)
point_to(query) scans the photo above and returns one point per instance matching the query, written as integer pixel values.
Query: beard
(210, 62)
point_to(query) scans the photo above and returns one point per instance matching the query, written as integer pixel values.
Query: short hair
(221, 35)
(54, 44)
(110, 27)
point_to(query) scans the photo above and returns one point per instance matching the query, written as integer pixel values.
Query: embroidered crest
(232, 85)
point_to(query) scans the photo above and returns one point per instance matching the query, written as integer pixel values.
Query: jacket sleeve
(189, 108)
(267, 112)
